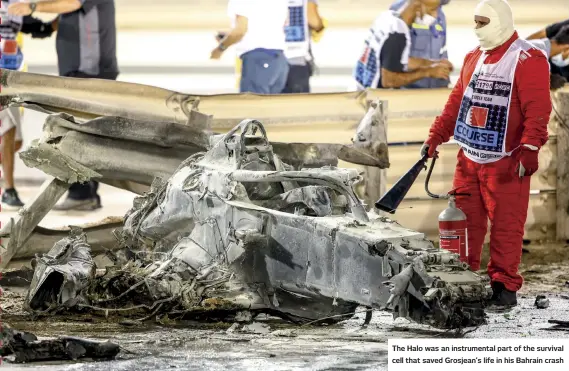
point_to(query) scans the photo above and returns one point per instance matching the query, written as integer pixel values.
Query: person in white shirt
(304, 19)
(258, 30)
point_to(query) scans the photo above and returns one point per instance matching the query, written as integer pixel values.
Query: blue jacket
(428, 43)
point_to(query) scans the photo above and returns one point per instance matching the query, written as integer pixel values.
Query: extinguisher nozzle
(385, 208)
(392, 198)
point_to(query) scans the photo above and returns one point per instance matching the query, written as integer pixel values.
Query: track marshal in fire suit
(498, 112)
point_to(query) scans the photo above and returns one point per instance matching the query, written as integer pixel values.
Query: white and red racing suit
(500, 102)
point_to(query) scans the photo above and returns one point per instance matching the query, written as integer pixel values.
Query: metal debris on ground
(62, 275)
(541, 302)
(24, 347)
(289, 333)
(559, 324)
(235, 232)
(256, 328)
(234, 327)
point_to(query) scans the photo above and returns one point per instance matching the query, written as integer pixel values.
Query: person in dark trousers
(304, 18)
(86, 48)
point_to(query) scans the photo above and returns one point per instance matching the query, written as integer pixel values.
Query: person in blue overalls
(428, 41)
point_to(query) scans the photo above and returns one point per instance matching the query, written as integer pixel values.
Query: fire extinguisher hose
(452, 193)
(429, 172)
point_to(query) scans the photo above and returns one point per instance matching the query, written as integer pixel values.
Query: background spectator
(303, 18)
(428, 39)
(86, 48)
(258, 32)
(385, 61)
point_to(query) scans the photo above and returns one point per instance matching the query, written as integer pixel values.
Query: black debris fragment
(17, 278)
(541, 302)
(559, 323)
(25, 347)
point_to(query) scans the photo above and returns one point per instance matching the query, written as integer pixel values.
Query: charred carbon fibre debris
(225, 224)
(25, 347)
(235, 229)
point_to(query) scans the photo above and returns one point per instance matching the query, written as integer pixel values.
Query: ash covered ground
(270, 344)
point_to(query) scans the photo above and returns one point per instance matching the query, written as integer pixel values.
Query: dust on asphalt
(344, 346)
(278, 346)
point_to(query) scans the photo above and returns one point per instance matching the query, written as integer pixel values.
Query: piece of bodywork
(62, 274)
(241, 224)
(25, 347)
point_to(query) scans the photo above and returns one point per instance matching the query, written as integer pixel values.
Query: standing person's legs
(10, 130)
(81, 191)
(81, 196)
(19, 138)
(281, 72)
(506, 196)
(253, 73)
(298, 79)
(263, 72)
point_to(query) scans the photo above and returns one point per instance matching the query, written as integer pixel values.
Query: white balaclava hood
(501, 26)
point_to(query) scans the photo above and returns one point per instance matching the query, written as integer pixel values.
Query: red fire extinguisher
(453, 233)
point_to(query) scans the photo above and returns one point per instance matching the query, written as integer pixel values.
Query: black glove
(562, 37)
(44, 30)
(37, 28)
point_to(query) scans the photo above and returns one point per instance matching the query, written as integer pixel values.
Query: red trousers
(500, 195)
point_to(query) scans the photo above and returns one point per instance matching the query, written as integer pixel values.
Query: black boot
(502, 297)
(497, 288)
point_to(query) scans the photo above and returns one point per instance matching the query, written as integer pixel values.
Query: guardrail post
(561, 106)
(375, 178)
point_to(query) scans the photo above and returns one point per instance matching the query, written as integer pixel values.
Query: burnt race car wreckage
(224, 224)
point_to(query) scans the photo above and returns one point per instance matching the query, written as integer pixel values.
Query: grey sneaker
(11, 200)
(80, 205)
